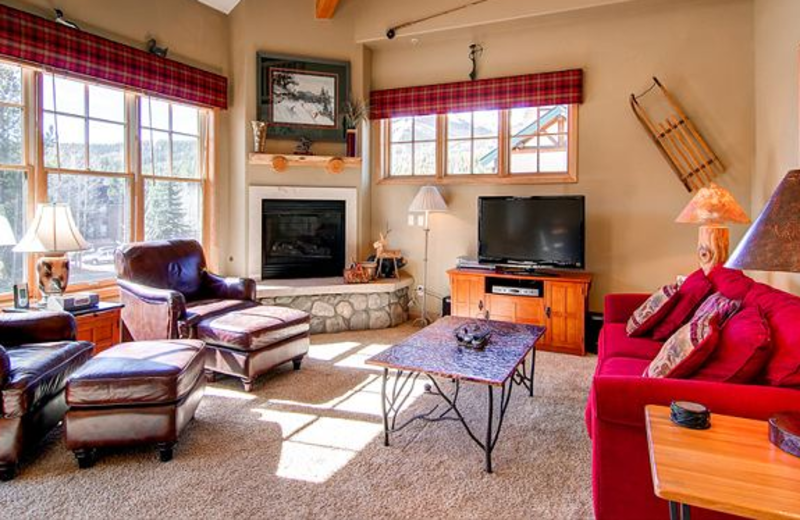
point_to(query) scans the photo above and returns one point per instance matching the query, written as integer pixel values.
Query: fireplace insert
(302, 238)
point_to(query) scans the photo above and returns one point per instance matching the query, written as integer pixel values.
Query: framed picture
(21, 297)
(302, 97)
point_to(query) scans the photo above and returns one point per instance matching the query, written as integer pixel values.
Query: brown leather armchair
(169, 294)
(167, 290)
(38, 353)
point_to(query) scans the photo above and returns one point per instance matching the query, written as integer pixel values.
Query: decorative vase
(259, 136)
(350, 139)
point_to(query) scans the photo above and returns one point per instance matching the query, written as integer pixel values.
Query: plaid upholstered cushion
(686, 351)
(650, 313)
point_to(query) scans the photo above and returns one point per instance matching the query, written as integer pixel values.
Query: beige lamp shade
(773, 242)
(7, 237)
(713, 204)
(428, 199)
(53, 230)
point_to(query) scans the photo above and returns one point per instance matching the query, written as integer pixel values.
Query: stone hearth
(335, 306)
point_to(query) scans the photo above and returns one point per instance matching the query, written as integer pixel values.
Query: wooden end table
(434, 352)
(99, 324)
(731, 468)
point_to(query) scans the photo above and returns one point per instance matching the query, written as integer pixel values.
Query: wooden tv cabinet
(560, 306)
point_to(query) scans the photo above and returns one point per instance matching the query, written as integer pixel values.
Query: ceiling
(226, 6)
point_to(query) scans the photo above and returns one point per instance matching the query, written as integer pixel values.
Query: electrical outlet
(420, 290)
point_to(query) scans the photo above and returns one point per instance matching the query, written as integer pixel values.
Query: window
(130, 167)
(84, 134)
(521, 146)
(473, 142)
(413, 146)
(172, 169)
(13, 173)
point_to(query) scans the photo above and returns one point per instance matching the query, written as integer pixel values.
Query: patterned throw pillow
(650, 313)
(687, 349)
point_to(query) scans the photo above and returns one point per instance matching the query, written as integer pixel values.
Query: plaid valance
(42, 42)
(530, 90)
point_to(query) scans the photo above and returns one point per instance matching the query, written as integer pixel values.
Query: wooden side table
(731, 468)
(99, 324)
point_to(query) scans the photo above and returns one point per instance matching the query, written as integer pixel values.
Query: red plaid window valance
(42, 42)
(530, 90)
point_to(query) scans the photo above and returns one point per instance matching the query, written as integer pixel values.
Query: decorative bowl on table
(473, 335)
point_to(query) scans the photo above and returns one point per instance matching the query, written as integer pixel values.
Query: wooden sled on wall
(679, 141)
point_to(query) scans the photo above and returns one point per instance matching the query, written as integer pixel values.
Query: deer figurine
(382, 252)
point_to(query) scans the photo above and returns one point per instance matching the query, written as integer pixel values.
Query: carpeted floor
(308, 445)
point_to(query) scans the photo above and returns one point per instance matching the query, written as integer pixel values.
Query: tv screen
(540, 231)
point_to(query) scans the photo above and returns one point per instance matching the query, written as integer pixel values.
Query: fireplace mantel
(259, 193)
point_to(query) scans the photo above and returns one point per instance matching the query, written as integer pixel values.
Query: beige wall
(702, 50)
(194, 33)
(777, 34)
(284, 27)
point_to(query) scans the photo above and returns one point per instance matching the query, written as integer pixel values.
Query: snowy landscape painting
(300, 98)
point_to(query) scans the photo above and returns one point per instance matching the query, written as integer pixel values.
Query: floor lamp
(427, 201)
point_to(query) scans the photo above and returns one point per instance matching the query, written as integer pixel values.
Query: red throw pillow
(732, 283)
(693, 344)
(691, 294)
(743, 350)
(652, 311)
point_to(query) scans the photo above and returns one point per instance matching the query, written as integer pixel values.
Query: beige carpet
(308, 445)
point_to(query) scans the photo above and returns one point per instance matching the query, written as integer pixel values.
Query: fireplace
(302, 238)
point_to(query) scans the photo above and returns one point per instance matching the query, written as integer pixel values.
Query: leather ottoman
(134, 393)
(249, 342)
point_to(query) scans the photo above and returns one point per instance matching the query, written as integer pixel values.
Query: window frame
(37, 173)
(503, 175)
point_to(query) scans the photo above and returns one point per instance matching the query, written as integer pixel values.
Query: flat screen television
(534, 231)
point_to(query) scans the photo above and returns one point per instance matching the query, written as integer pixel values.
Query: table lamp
(773, 242)
(713, 207)
(53, 232)
(427, 201)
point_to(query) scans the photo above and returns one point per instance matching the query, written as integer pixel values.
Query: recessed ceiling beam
(326, 8)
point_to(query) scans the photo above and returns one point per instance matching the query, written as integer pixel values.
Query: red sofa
(621, 480)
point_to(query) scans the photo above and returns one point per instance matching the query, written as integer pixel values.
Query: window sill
(558, 178)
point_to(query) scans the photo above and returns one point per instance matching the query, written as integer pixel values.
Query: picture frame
(21, 296)
(302, 97)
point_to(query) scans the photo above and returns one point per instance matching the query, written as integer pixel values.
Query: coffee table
(434, 352)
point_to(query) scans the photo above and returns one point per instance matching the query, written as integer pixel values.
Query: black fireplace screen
(302, 238)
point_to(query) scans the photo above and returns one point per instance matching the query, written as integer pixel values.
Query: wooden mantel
(280, 163)
(326, 9)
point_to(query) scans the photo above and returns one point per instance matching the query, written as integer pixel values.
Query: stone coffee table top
(434, 350)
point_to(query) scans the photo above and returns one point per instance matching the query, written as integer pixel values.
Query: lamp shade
(713, 204)
(7, 237)
(773, 242)
(428, 199)
(53, 230)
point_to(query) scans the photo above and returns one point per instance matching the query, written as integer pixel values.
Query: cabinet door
(467, 292)
(566, 314)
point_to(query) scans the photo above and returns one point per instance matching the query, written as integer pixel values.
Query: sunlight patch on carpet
(330, 351)
(216, 391)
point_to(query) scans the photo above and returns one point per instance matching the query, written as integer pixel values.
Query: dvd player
(516, 291)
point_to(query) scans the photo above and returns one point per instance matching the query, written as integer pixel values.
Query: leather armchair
(167, 289)
(38, 353)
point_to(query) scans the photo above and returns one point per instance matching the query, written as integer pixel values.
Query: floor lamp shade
(773, 241)
(428, 199)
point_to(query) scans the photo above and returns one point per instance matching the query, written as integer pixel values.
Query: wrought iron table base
(392, 401)
(679, 511)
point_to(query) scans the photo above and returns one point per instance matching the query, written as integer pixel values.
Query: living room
(181, 134)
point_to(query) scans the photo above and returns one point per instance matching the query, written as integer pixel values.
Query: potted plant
(354, 112)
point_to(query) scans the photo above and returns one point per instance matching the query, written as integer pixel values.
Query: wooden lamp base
(713, 243)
